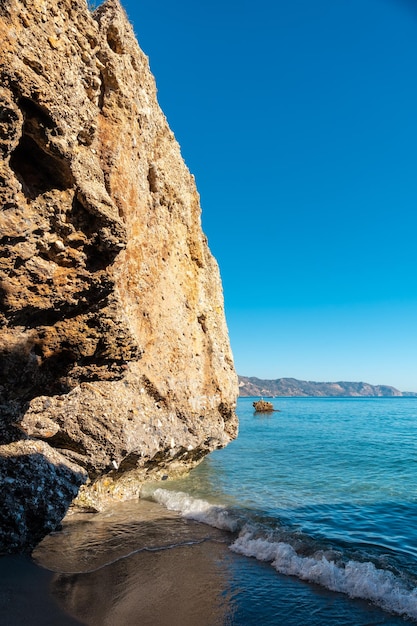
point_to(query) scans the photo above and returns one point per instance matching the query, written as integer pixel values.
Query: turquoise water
(324, 492)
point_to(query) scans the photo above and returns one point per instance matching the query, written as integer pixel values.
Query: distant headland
(252, 386)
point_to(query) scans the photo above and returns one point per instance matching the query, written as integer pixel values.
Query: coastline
(140, 563)
(135, 563)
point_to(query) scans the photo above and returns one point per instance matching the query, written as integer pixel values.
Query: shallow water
(324, 491)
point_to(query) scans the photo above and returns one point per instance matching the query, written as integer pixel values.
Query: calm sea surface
(309, 518)
(324, 492)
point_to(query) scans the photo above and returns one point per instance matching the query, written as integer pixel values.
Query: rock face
(115, 362)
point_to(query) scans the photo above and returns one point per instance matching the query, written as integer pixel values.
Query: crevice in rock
(34, 65)
(94, 297)
(34, 112)
(62, 441)
(134, 63)
(202, 321)
(152, 179)
(130, 462)
(35, 167)
(152, 391)
(10, 241)
(114, 40)
(102, 92)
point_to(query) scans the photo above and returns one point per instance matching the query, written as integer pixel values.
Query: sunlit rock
(114, 347)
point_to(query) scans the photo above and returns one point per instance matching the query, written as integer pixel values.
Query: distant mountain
(251, 386)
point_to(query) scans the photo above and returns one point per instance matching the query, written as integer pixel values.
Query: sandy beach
(25, 595)
(135, 564)
(139, 564)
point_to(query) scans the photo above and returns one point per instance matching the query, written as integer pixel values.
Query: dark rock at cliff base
(36, 490)
(115, 363)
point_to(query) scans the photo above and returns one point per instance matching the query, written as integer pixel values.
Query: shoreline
(140, 563)
(204, 584)
(135, 563)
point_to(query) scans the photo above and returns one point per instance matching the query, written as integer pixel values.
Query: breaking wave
(294, 555)
(199, 510)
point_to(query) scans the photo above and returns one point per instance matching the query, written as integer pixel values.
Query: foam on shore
(356, 579)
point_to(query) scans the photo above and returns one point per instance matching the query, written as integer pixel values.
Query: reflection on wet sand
(139, 564)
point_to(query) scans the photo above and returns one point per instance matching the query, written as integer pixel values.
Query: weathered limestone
(114, 355)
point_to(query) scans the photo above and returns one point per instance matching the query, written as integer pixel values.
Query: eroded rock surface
(114, 354)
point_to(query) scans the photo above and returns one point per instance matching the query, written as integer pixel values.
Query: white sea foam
(197, 509)
(357, 580)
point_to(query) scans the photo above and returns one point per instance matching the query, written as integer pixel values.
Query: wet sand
(141, 565)
(25, 597)
(137, 564)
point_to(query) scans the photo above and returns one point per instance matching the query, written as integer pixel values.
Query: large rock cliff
(115, 363)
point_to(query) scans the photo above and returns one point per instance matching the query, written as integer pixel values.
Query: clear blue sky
(298, 119)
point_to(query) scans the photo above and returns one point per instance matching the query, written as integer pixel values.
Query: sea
(308, 518)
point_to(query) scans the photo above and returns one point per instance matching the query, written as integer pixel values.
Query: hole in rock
(152, 179)
(32, 111)
(114, 40)
(102, 93)
(37, 171)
